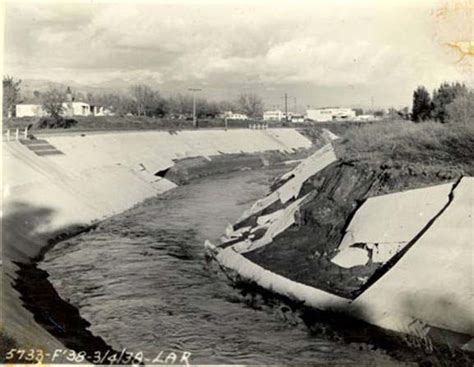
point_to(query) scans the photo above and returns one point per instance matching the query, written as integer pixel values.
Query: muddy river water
(141, 280)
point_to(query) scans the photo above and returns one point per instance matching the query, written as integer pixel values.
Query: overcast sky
(321, 53)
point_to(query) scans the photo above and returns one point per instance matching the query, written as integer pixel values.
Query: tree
(421, 105)
(461, 110)
(250, 104)
(158, 106)
(181, 104)
(52, 102)
(144, 98)
(207, 108)
(443, 96)
(11, 95)
(225, 106)
(117, 103)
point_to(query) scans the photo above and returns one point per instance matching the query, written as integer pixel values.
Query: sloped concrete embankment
(88, 178)
(340, 237)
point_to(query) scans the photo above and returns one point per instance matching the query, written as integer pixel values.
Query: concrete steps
(41, 147)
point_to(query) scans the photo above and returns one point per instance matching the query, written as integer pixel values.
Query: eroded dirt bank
(340, 189)
(186, 170)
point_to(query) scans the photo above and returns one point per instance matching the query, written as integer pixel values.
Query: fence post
(8, 134)
(26, 133)
(17, 134)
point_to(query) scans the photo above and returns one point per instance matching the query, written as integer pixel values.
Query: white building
(76, 109)
(229, 115)
(297, 118)
(330, 114)
(29, 110)
(365, 118)
(69, 109)
(273, 115)
(278, 115)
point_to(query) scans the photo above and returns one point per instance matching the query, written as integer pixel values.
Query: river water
(140, 279)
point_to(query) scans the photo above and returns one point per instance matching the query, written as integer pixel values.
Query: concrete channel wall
(92, 176)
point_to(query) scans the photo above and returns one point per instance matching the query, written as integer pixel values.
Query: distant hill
(29, 86)
(117, 86)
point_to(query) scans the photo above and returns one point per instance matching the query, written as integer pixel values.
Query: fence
(15, 134)
(258, 126)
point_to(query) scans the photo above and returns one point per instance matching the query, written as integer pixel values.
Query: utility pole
(194, 104)
(294, 111)
(286, 107)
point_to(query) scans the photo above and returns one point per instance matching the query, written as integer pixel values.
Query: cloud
(275, 44)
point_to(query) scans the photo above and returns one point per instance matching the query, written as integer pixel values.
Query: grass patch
(402, 142)
(104, 123)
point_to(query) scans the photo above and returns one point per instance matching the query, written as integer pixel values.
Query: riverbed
(141, 280)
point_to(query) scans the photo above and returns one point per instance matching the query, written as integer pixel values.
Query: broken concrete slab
(291, 189)
(350, 257)
(250, 271)
(278, 222)
(435, 273)
(396, 217)
(310, 166)
(383, 225)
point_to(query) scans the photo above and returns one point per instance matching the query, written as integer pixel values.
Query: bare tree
(181, 104)
(11, 95)
(250, 104)
(52, 101)
(226, 106)
(144, 98)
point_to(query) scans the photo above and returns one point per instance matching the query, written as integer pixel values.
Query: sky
(321, 53)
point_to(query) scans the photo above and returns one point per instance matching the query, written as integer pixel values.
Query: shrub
(404, 141)
(57, 122)
(461, 110)
(443, 96)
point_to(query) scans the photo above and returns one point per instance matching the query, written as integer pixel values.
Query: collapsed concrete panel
(273, 224)
(432, 283)
(383, 225)
(395, 217)
(248, 270)
(294, 180)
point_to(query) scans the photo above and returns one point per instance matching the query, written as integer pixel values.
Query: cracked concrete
(384, 224)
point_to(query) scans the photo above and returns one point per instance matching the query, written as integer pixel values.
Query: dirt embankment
(188, 169)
